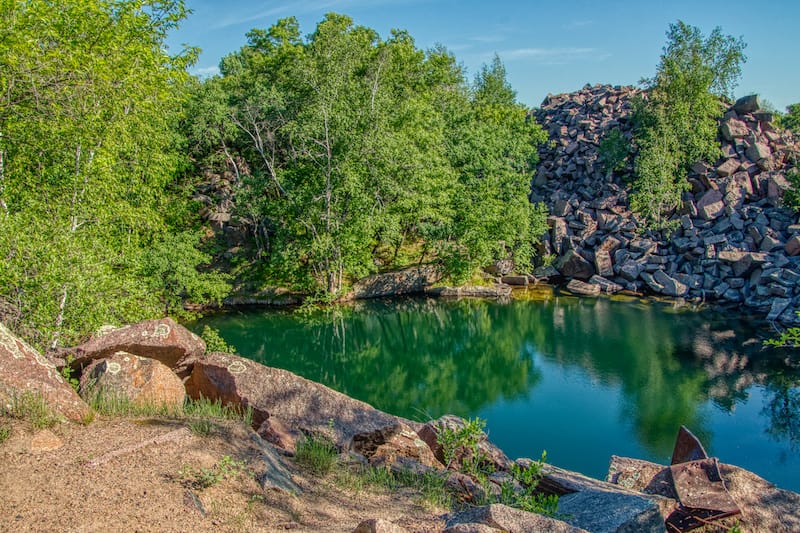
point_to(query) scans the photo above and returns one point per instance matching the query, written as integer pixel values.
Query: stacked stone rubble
(734, 241)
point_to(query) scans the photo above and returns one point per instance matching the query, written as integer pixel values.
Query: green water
(581, 378)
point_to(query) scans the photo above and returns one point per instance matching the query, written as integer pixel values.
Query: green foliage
(33, 408)
(344, 144)
(789, 337)
(461, 446)
(676, 120)
(317, 453)
(528, 499)
(204, 478)
(67, 372)
(170, 266)
(5, 432)
(613, 151)
(215, 342)
(791, 119)
(791, 197)
(89, 104)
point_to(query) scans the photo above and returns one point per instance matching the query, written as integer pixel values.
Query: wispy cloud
(300, 8)
(577, 24)
(487, 39)
(205, 72)
(554, 56)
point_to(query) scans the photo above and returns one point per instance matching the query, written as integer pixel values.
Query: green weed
(5, 432)
(204, 478)
(316, 453)
(32, 407)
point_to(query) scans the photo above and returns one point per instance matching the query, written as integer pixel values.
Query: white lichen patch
(237, 367)
(11, 344)
(112, 367)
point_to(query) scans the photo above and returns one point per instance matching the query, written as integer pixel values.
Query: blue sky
(546, 46)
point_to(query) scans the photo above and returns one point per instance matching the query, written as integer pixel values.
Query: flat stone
(163, 340)
(515, 280)
(276, 474)
(672, 287)
(758, 151)
(792, 246)
(582, 288)
(728, 167)
(606, 286)
(299, 403)
(733, 128)
(45, 441)
(505, 518)
(408, 281)
(777, 307)
(611, 512)
(710, 205)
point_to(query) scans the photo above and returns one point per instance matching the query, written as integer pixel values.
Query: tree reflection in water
(422, 358)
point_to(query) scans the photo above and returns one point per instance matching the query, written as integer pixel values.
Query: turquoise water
(580, 378)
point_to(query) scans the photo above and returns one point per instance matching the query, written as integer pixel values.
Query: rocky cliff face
(734, 241)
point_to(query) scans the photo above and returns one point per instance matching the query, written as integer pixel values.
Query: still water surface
(580, 378)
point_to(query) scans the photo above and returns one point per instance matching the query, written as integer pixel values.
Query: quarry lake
(580, 378)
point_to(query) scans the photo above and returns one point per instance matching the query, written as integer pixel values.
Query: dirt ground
(143, 475)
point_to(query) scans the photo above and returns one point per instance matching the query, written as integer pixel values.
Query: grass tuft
(5, 432)
(32, 407)
(317, 453)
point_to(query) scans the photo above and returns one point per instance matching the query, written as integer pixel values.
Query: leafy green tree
(346, 147)
(87, 120)
(677, 119)
(791, 119)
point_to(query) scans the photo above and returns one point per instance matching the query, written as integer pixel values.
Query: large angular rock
(298, 403)
(710, 205)
(672, 287)
(596, 505)
(504, 518)
(582, 288)
(573, 265)
(747, 104)
(764, 506)
(24, 370)
(758, 151)
(162, 340)
(733, 128)
(139, 379)
(792, 246)
(385, 446)
(728, 167)
(408, 281)
(603, 263)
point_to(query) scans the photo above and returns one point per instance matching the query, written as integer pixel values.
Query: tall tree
(87, 120)
(677, 119)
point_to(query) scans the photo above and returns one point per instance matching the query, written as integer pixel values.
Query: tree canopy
(88, 145)
(348, 148)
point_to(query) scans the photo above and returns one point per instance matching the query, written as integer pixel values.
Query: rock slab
(163, 340)
(298, 403)
(24, 370)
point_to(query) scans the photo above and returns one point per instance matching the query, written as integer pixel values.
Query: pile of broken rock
(733, 242)
(161, 361)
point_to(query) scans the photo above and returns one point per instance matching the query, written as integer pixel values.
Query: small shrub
(463, 445)
(204, 478)
(215, 342)
(33, 408)
(613, 151)
(788, 338)
(5, 432)
(528, 499)
(67, 372)
(316, 453)
(791, 198)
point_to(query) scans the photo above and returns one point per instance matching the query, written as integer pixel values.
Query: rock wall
(734, 241)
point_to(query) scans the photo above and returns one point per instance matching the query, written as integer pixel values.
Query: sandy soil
(142, 475)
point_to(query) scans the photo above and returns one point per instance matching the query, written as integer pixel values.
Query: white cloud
(554, 56)
(577, 24)
(205, 72)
